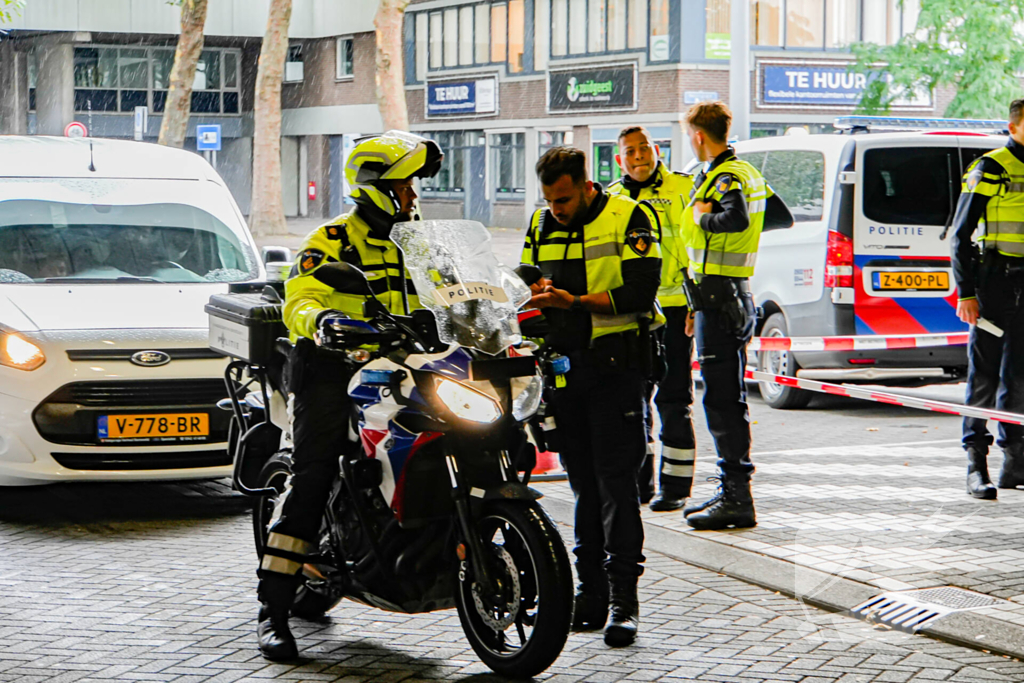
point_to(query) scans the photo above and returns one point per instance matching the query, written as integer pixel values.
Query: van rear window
(911, 185)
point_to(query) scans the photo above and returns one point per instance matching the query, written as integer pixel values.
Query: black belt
(742, 283)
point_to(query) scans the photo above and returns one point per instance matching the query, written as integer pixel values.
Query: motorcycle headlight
(526, 402)
(466, 403)
(18, 352)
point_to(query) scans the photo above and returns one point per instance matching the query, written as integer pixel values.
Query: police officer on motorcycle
(601, 268)
(380, 172)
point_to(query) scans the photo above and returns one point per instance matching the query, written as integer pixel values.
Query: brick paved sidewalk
(155, 583)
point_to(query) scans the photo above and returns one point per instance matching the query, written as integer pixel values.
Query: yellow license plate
(910, 280)
(154, 427)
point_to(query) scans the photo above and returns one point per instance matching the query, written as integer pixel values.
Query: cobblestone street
(156, 582)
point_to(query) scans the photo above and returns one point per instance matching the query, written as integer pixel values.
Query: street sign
(76, 129)
(141, 122)
(208, 137)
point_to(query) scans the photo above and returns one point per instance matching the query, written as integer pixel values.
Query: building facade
(495, 82)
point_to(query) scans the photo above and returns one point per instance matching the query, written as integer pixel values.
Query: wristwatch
(577, 304)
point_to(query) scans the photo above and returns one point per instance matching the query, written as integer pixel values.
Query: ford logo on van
(150, 359)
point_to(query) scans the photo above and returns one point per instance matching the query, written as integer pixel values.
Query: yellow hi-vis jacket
(730, 254)
(668, 195)
(347, 238)
(604, 246)
(1004, 213)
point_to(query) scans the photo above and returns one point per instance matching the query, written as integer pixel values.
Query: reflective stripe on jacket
(1004, 213)
(347, 238)
(730, 254)
(668, 195)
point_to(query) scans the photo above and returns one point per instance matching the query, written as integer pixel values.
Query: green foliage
(9, 8)
(972, 45)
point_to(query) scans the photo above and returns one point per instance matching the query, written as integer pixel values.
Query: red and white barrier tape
(858, 343)
(886, 397)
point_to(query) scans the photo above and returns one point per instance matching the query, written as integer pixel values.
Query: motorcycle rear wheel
(311, 602)
(522, 636)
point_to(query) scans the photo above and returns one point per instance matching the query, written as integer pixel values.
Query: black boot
(667, 502)
(276, 591)
(591, 609)
(978, 483)
(734, 507)
(1012, 474)
(697, 507)
(624, 615)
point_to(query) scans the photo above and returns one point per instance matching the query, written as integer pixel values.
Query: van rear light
(839, 260)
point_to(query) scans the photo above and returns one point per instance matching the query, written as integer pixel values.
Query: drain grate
(912, 610)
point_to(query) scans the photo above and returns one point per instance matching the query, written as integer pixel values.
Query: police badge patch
(723, 183)
(309, 260)
(640, 240)
(973, 179)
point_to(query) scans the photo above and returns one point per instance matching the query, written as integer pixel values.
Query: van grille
(144, 393)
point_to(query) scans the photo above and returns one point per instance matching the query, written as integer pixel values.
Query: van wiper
(93, 280)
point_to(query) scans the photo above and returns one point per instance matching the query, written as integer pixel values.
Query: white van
(865, 255)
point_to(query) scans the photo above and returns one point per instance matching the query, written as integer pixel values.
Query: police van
(869, 252)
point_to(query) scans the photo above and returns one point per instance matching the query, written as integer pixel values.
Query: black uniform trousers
(321, 415)
(995, 370)
(600, 419)
(721, 350)
(674, 400)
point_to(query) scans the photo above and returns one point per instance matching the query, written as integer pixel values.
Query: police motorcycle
(431, 513)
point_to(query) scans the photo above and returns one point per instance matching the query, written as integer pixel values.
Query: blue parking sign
(208, 137)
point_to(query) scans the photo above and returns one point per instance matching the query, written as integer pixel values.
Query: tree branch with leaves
(973, 46)
(9, 8)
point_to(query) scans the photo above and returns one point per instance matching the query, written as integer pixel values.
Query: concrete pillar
(55, 87)
(532, 186)
(303, 176)
(681, 152)
(14, 86)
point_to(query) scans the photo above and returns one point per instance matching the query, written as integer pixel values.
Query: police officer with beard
(645, 178)
(380, 172)
(601, 264)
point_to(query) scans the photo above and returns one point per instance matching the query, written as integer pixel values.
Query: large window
(508, 165)
(799, 178)
(911, 185)
(452, 177)
(470, 35)
(112, 79)
(817, 24)
(594, 26)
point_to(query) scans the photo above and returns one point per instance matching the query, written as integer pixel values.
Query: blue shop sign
(812, 85)
(450, 98)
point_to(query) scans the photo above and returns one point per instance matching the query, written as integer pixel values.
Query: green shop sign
(610, 87)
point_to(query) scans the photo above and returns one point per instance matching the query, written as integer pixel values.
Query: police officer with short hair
(990, 281)
(602, 266)
(646, 178)
(724, 221)
(380, 171)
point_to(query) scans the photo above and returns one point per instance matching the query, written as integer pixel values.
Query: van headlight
(18, 352)
(526, 402)
(466, 403)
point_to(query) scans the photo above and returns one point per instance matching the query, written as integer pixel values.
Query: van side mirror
(276, 255)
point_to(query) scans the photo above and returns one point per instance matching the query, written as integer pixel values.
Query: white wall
(244, 18)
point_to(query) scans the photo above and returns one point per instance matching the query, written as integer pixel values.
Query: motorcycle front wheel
(522, 632)
(313, 599)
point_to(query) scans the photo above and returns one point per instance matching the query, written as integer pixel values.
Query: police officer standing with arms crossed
(380, 170)
(724, 221)
(601, 265)
(645, 178)
(989, 285)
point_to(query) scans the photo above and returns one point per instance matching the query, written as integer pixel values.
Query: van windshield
(56, 230)
(911, 185)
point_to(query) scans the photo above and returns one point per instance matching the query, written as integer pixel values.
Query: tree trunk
(179, 95)
(266, 216)
(390, 74)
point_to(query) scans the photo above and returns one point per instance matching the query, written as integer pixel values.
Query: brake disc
(511, 607)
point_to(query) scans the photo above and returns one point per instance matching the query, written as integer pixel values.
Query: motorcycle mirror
(343, 277)
(529, 273)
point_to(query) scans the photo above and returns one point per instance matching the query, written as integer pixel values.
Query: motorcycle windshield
(457, 277)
